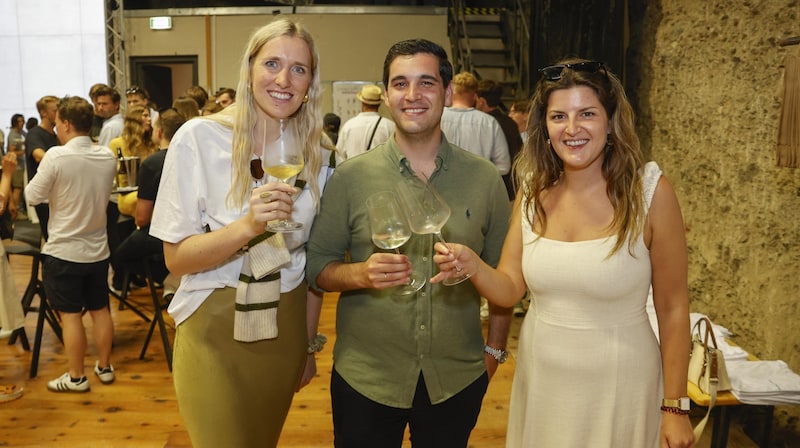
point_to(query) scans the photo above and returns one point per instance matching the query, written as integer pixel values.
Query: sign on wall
(345, 103)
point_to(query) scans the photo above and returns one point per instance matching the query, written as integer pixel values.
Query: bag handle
(712, 364)
(709, 331)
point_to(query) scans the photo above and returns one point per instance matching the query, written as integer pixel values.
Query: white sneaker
(65, 384)
(105, 374)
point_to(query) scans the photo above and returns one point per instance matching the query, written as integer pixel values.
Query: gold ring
(265, 197)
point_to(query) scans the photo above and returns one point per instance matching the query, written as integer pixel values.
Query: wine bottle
(122, 172)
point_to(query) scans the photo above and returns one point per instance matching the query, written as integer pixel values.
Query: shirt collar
(399, 159)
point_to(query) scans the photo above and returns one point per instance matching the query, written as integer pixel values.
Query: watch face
(685, 404)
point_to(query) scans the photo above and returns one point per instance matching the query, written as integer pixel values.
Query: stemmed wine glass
(390, 230)
(427, 213)
(283, 159)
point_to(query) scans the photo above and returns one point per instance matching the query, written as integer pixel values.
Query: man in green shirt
(419, 359)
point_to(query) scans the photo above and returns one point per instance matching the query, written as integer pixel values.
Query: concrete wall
(709, 103)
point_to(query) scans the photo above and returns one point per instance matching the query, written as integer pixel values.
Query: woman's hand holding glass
(283, 159)
(270, 202)
(427, 212)
(454, 261)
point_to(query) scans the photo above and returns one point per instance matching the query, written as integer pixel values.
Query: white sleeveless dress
(589, 367)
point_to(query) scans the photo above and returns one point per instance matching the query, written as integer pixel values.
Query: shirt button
(424, 258)
(422, 327)
(422, 294)
(421, 356)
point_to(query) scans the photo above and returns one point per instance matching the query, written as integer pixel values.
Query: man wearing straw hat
(367, 129)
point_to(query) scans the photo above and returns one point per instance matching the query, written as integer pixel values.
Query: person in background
(140, 243)
(330, 126)
(106, 104)
(211, 107)
(366, 130)
(16, 144)
(11, 314)
(187, 107)
(31, 123)
(490, 94)
(38, 141)
(97, 121)
(225, 97)
(213, 201)
(138, 96)
(420, 360)
(75, 257)
(136, 139)
(471, 129)
(519, 113)
(592, 229)
(199, 95)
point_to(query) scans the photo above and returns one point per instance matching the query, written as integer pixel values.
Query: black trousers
(359, 422)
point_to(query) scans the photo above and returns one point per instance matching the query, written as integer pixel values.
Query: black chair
(158, 308)
(34, 288)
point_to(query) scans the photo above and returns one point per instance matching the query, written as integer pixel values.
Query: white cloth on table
(764, 382)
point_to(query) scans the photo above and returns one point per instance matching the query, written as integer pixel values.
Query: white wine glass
(427, 213)
(390, 230)
(283, 159)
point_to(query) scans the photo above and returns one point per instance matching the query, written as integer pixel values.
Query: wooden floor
(139, 409)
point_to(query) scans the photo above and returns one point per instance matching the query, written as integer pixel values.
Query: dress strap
(652, 173)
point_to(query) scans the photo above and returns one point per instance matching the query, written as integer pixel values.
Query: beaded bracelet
(315, 345)
(673, 410)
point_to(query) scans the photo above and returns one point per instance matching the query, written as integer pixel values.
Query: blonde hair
(538, 167)
(136, 138)
(242, 115)
(465, 82)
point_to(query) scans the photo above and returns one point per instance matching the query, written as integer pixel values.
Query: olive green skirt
(237, 394)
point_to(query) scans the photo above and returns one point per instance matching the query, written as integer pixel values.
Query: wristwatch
(681, 404)
(499, 354)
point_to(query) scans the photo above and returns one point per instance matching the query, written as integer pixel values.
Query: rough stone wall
(708, 81)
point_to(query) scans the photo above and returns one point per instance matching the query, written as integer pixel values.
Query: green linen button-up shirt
(384, 341)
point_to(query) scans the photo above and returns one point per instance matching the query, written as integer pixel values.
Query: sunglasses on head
(133, 90)
(553, 72)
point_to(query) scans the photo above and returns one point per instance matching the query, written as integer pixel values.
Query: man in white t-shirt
(471, 129)
(75, 256)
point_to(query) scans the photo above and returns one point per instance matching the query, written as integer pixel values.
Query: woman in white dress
(592, 229)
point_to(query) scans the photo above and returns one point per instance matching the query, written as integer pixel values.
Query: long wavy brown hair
(538, 167)
(138, 140)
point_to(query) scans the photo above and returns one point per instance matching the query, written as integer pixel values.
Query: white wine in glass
(390, 230)
(427, 213)
(283, 159)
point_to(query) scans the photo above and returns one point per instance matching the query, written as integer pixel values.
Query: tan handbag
(707, 362)
(707, 368)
